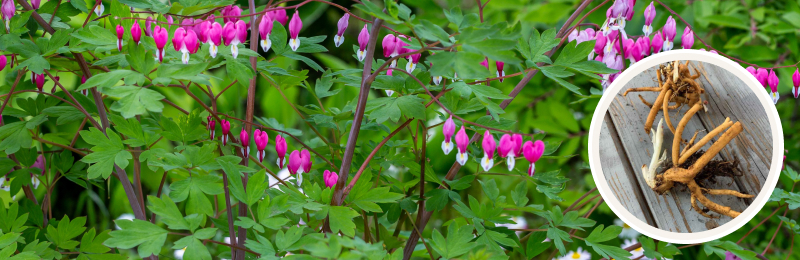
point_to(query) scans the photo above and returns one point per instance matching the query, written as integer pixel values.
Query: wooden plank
(618, 173)
(673, 211)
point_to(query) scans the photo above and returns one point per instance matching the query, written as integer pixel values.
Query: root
(666, 112)
(642, 89)
(654, 110)
(689, 144)
(645, 102)
(724, 210)
(649, 174)
(728, 192)
(676, 141)
(705, 140)
(696, 208)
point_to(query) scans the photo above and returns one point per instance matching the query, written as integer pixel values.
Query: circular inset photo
(685, 142)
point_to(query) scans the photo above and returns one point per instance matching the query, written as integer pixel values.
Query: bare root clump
(694, 168)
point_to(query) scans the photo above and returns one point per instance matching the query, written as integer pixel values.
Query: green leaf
(134, 100)
(539, 44)
(65, 114)
(412, 106)
(311, 63)
(167, 212)
(109, 79)
(792, 174)
(437, 199)
(67, 230)
(256, 187)
(95, 35)
(94, 244)
(457, 242)
(106, 152)
(195, 188)
(37, 64)
(341, 219)
(429, 31)
(15, 136)
(239, 71)
(536, 244)
(490, 189)
(391, 7)
(465, 64)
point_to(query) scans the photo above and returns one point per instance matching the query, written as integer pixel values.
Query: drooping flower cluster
(770, 81)
(510, 147)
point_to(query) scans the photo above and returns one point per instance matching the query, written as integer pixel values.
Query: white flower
(627, 231)
(578, 254)
(126, 216)
(638, 252)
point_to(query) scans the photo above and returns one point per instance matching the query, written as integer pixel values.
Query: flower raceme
(330, 178)
(489, 146)
(280, 149)
(261, 138)
(363, 40)
(341, 26)
(264, 30)
(795, 83)
(294, 30)
(532, 152)
(448, 129)
(462, 141)
(233, 34)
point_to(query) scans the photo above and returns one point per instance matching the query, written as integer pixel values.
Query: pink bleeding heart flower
(462, 141)
(489, 145)
(572, 35)
(751, 70)
(363, 40)
(39, 163)
(500, 72)
(35, 4)
(506, 150)
(8, 9)
(148, 26)
(85, 92)
(687, 40)
(657, 43)
(120, 33)
(772, 80)
(170, 21)
(211, 127)
(201, 30)
(341, 27)
(330, 178)
(264, 30)
(160, 36)
(229, 13)
(3, 62)
(56, 79)
(214, 38)
(294, 30)
(38, 80)
(136, 32)
(299, 163)
(649, 15)
(600, 43)
(611, 47)
(761, 75)
(392, 47)
(669, 33)
(233, 34)
(279, 15)
(280, 149)
(533, 151)
(226, 131)
(244, 140)
(585, 35)
(185, 41)
(448, 129)
(629, 4)
(795, 82)
(485, 62)
(262, 139)
(644, 45)
(188, 24)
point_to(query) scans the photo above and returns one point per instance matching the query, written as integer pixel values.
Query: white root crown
(649, 173)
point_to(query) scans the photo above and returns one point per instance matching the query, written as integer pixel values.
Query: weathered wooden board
(624, 130)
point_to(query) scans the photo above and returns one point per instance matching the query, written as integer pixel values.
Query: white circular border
(675, 237)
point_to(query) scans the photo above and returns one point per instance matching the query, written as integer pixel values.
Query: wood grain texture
(625, 147)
